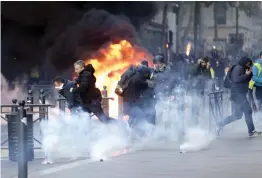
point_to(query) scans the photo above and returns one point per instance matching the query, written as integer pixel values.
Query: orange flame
(188, 48)
(111, 62)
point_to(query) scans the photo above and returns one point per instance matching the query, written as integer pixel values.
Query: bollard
(61, 103)
(12, 131)
(104, 93)
(14, 108)
(22, 141)
(42, 96)
(30, 99)
(105, 101)
(42, 108)
(120, 107)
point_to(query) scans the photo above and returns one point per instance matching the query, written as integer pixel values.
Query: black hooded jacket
(86, 85)
(73, 100)
(137, 84)
(239, 77)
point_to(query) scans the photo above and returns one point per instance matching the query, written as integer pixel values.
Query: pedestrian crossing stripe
(4, 153)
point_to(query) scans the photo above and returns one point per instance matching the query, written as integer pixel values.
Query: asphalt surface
(232, 155)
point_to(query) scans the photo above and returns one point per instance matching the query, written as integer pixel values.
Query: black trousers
(241, 106)
(96, 108)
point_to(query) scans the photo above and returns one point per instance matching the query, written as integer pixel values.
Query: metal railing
(29, 106)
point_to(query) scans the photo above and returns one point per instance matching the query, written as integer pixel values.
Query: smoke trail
(196, 139)
(80, 136)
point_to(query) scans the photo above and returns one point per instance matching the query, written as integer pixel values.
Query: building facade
(226, 16)
(226, 26)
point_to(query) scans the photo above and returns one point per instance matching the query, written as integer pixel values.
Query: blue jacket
(257, 79)
(72, 99)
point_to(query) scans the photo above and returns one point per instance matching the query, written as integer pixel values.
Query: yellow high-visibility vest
(212, 73)
(252, 83)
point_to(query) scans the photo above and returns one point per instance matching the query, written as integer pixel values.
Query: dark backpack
(124, 81)
(228, 80)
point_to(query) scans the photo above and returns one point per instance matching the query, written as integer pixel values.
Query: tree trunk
(177, 31)
(215, 22)
(164, 30)
(196, 27)
(188, 28)
(164, 23)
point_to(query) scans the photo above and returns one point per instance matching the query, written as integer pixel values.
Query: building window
(221, 13)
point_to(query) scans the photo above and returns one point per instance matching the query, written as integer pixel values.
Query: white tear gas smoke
(183, 117)
(80, 136)
(196, 139)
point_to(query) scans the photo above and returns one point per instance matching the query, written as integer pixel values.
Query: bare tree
(186, 8)
(164, 21)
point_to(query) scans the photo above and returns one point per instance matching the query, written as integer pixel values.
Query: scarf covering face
(59, 87)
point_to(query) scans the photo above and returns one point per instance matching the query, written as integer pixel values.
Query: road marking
(73, 165)
(4, 154)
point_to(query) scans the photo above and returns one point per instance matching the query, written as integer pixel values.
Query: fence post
(120, 107)
(14, 108)
(61, 103)
(30, 99)
(22, 141)
(12, 130)
(42, 113)
(216, 112)
(105, 101)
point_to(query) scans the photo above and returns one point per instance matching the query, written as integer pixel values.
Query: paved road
(233, 155)
(9, 169)
(230, 156)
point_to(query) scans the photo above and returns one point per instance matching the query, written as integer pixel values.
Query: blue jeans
(240, 105)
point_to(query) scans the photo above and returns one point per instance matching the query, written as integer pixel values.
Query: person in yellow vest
(256, 80)
(35, 75)
(240, 76)
(201, 76)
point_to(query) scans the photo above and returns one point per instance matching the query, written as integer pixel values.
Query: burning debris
(188, 48)
(111, 61)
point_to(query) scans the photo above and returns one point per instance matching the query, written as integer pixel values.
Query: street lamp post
(236, 5)
(176, 9)
(196, 27)
(237, 20)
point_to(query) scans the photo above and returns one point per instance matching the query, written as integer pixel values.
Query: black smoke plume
(35, 33)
